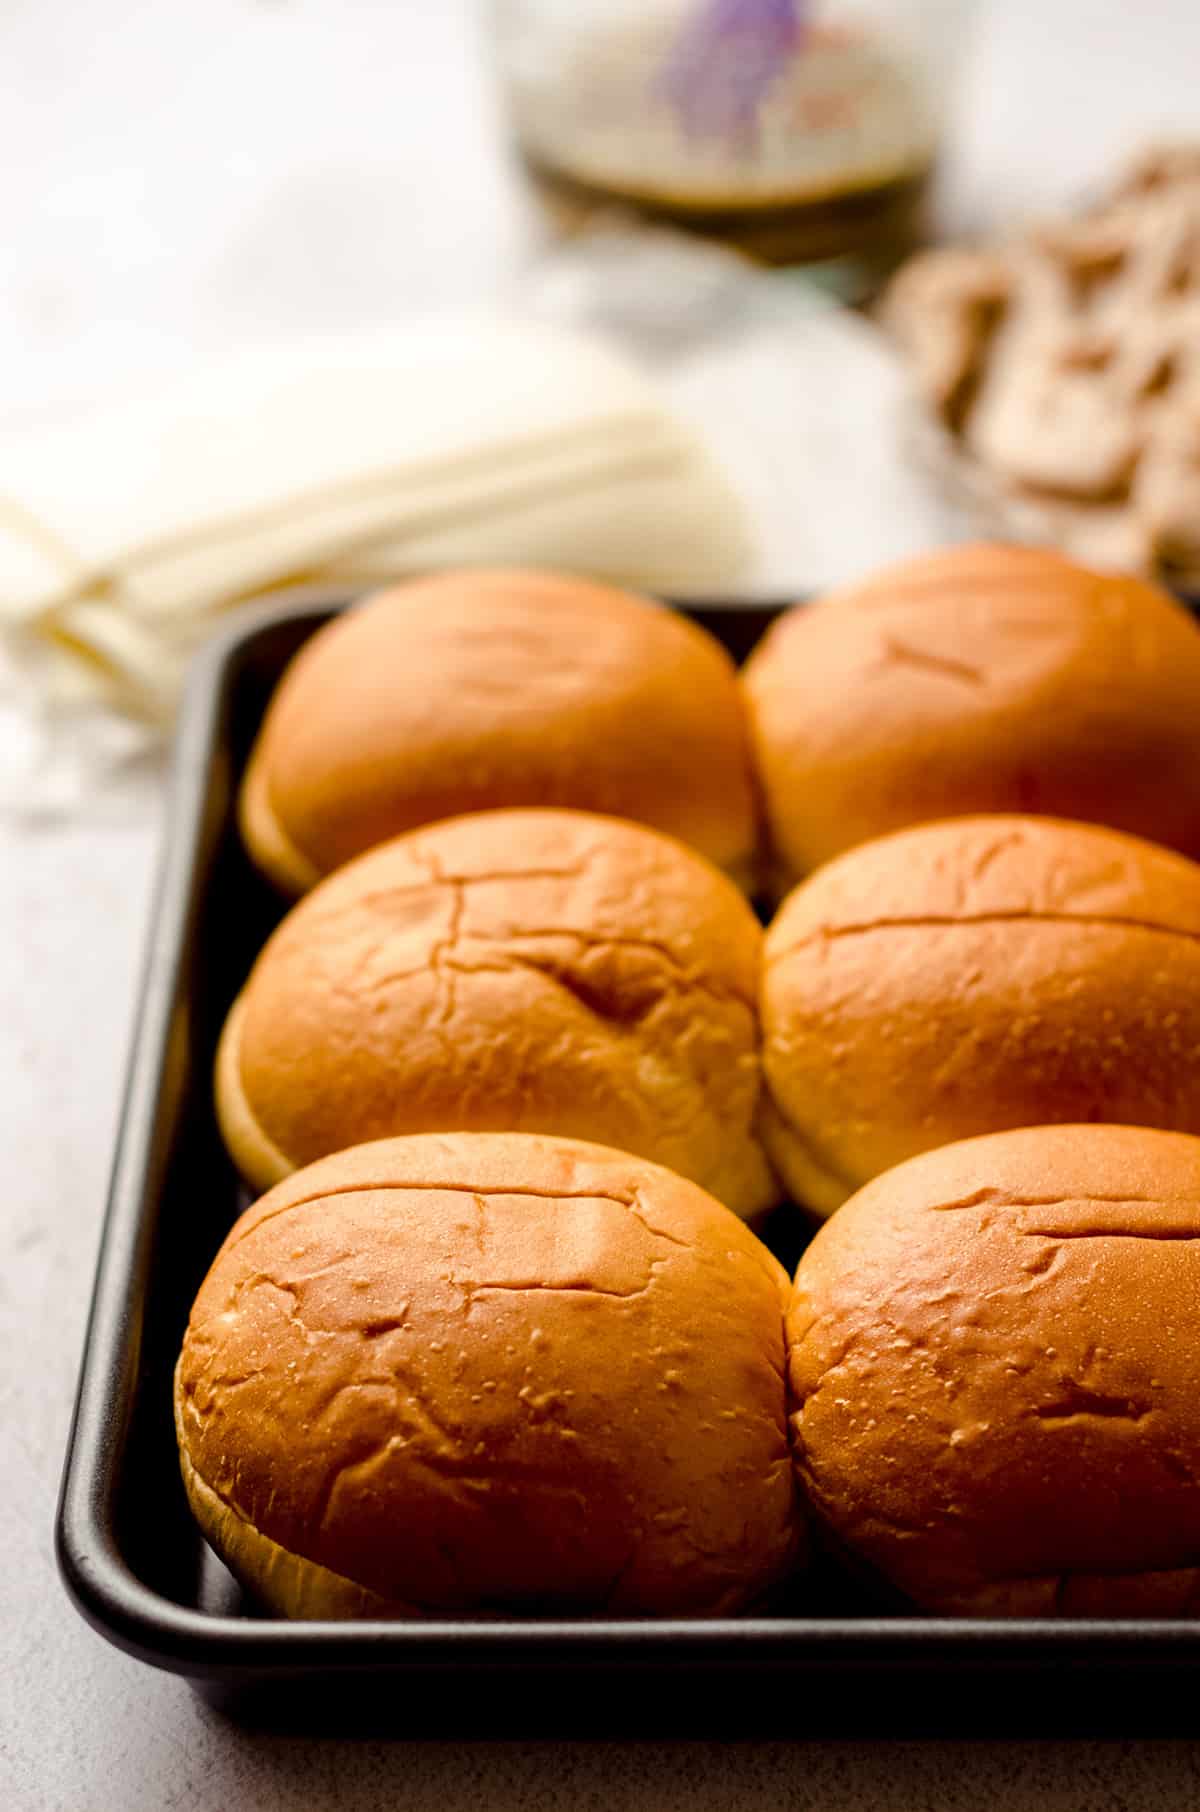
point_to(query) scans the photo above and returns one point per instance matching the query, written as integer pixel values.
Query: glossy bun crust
(473, 690)
(531, 971)
(964, 977)
(976, 679)
(996, 1376)
(489, 1374)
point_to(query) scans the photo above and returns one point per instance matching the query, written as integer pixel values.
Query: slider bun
(487, 1373)
(977, 679)
(964, 977)
(481, 689)
(535, 971)
(995, 1375)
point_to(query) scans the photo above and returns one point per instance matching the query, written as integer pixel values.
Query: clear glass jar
(799, 131)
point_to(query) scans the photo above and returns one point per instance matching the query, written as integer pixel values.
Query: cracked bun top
(976, 679)
(533, 971)
(995, 1375)
(964, 977)
(490, 1373)
(474, 690)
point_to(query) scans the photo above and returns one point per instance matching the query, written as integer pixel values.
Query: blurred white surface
(176, 176)
(183, 175)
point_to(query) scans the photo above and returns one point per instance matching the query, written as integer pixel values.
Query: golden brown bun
(485, 1373)
(969, 976)
(977, 679)
(481, 689)
(536, 971)
(995, 1375)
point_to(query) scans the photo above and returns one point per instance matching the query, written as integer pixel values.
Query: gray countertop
(185, 172)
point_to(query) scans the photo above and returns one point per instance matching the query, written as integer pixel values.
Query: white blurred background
(176, 175)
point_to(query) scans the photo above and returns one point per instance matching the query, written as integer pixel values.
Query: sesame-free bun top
(480, 1373)
(479, 689)
(977, 679)
(996, 1376)
(983, 973)
(534, 971)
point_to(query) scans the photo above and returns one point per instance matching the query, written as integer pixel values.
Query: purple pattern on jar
(728, 56)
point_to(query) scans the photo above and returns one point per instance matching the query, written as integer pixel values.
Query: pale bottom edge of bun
(303, 1590)
(281, 1580)
(268, 844)
(287, 867)
(259, 1160)
(810, 1184)
(263, 1164)
(1171, 1593)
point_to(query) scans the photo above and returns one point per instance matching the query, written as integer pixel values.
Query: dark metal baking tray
(138, 1570)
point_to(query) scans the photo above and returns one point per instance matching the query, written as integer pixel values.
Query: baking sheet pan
(137, 1568)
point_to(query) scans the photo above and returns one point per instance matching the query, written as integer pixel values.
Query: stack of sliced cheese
(344, 463)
